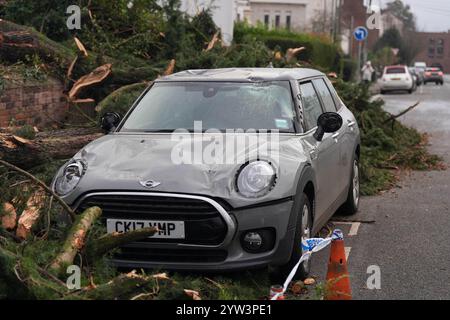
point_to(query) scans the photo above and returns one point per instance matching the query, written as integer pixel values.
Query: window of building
(266, 20)
(440, 51)
(277, 21)
(288, 22)
(431, 52)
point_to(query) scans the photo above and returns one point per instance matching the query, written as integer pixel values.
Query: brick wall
(37, 104)
(430, 53)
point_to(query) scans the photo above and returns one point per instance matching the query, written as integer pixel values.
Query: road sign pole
(360, 34)
(359, 60)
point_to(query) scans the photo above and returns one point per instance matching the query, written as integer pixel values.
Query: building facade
(435, 48)
(295, 15)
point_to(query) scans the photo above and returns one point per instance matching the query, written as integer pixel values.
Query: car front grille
(139, 254)
(203, 223)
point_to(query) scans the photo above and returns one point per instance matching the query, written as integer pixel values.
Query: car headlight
(256, 179)
(70, 177)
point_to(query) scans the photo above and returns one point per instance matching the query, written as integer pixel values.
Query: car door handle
(335, 137)
(313, 153)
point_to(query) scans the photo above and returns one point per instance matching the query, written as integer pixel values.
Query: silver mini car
(234, 166)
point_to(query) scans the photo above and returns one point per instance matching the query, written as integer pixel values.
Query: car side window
(311, 105)
(325, 94)
(337, 99)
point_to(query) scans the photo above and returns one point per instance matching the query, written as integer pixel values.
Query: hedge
(319, 50)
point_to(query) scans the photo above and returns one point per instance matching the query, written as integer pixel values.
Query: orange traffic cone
(338, 279)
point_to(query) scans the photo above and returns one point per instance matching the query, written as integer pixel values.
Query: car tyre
(351, 206)
(278, 274)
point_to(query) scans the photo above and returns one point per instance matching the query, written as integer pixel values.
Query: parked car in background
(420, 68)
(397, 78)
(252, 211)
(437, 65)
(434, 75)
(417, 76)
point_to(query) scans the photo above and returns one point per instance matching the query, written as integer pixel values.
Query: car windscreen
(169, 106)
(395, 70)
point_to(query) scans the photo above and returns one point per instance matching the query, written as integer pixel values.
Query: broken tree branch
(30, 215)
(41, 184)
(116, 288)
(61, 144)
(394, 117)
(108, 242)
(76, 239)
(93, 78)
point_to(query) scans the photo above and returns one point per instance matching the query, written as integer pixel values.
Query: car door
(349, 134)
(339, 137)
(324, 155)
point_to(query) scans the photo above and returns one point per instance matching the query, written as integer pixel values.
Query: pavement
(405, 232)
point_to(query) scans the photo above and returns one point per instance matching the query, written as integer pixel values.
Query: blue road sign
(361, 33)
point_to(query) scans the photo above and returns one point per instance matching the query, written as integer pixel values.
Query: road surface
(406, 231)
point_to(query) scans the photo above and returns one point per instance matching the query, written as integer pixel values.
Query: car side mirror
(328, 122)
(110, 121)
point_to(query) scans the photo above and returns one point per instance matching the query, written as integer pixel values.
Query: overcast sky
(432, 15)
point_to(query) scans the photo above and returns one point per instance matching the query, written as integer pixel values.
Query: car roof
(397, 66)
(243, 75)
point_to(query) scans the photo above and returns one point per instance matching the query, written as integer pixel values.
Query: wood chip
(9, 218)
(310, 281)
(30, 215)
(192, 294)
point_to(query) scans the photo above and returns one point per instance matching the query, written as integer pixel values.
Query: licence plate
(396, 79)
(167, 229)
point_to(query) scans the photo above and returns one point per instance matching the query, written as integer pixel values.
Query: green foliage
(319, 50)
(26, 132)
(121, 100)
(403, 12)
(47, 16)
(248, 53)
(384, 145)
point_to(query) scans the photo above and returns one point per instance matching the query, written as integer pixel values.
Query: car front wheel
(303, 231)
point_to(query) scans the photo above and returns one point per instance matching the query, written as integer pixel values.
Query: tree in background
(403, 12)
(399, 39)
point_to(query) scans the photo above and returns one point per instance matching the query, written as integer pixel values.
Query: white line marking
(354, 229)
(347, 252)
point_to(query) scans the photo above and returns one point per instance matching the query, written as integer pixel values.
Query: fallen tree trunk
(17, 42)
(63, 144)
(76, 239)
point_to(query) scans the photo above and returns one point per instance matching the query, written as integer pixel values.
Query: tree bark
(108, 242)
(93, 78)
(62, 144)
(76, 239)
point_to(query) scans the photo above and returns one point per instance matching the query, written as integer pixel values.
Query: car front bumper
(226, 256)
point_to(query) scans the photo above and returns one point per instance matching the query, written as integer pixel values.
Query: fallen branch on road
(394, 117)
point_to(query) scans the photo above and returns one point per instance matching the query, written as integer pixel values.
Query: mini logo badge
(150, 184)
